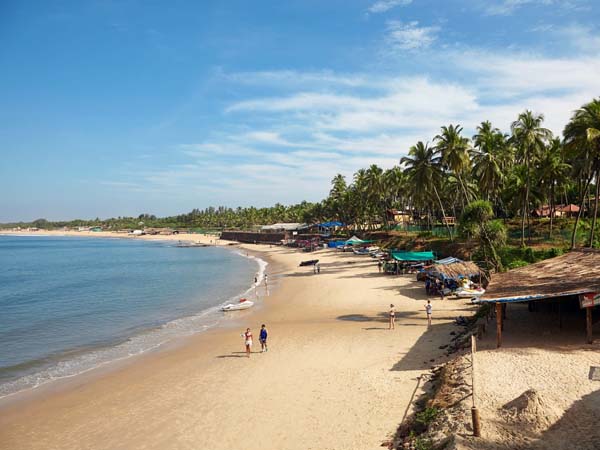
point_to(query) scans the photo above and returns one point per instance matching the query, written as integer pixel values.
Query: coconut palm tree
(553, 173)
(424, 172)
(530, 139)
(582, 139)
(454, 151)
(491, 160)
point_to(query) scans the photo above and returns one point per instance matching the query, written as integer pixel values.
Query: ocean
(68, 305)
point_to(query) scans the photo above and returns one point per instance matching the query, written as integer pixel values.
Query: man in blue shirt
(263, 338)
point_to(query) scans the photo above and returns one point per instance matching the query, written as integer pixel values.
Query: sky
(118, 108)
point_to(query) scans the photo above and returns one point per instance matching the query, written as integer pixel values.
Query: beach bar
(573, 275)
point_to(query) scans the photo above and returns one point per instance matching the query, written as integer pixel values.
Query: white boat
(242, 304)
(469, 292)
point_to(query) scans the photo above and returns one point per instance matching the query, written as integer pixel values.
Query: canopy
(412, 256)
(356, 241)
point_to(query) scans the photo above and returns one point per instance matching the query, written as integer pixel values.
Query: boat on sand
(242, 304)
(469, 292)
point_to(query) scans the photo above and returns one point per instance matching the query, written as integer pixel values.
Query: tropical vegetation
(517, 177)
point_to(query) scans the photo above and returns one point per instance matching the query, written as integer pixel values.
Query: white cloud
(409, 36)
(287, 145)
(385, 5)
(508, 7)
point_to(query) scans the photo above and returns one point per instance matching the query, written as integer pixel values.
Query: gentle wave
(87, 360)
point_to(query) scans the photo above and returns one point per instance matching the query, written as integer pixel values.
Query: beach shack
(567, 279)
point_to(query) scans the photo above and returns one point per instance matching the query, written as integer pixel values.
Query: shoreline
(107, 365)
(334, 376)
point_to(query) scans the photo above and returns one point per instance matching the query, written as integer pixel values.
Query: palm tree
(553, 173)
(582, 138)
(424, 172)
(454, 151)
(491, 159)
(530, 138)
(375, 185)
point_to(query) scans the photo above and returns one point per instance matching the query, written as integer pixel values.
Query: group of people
(262, 339)
(392, 315)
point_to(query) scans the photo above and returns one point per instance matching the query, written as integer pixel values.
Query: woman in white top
(392, 317)
(248, 341)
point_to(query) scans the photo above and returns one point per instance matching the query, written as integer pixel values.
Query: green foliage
(477, 223)
(513, 257)
(516, 263)
(427, 416)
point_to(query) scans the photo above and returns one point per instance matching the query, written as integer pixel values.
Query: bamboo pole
(498, 325)
(588, 325)
(474, 410)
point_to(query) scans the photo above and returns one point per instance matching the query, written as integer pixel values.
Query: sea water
(68, 305)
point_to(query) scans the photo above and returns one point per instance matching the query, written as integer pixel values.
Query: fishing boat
(242, 304)
(469, 292)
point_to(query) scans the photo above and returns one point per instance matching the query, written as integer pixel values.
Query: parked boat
(469, 292)
(242, 304)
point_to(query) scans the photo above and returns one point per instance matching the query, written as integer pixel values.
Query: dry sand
(334, 376)
(532, 393)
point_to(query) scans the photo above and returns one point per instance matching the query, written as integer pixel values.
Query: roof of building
(576, 272)
(284, 226)
(454, 269)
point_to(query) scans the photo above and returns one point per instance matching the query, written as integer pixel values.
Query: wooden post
(498, 324)
(588, 325)
(474, 410)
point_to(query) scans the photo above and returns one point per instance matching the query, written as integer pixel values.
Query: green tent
(412, 256)
(356, 241)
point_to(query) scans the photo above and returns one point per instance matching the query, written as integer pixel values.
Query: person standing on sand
(263, 338)
(379, 265)
(266, 284)
(392, 317)
(428, 310)
(248, 341)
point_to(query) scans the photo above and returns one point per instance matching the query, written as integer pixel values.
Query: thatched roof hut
(576, 272)
(455, 270)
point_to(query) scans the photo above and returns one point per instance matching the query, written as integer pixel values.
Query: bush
(427, 416)
(516, 263)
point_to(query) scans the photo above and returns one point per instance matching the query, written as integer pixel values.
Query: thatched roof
(456, 269)
(576, 272)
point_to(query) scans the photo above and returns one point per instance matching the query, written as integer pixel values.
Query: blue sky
(126, 107)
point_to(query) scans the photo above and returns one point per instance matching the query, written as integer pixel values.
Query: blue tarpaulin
(331, 224)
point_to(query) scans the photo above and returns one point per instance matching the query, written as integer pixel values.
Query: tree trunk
(595, 212)
(527, 204)
(551, 209)
(443, 212)
(587, 185)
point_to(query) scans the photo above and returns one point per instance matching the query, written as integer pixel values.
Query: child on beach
(263, 338)
(392, 317)
(428, 310)
(248, 341)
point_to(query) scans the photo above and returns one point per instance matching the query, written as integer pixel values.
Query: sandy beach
(334, 378)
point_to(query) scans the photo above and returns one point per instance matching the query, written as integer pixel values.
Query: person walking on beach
(248, 341)
(392, 317)
(263, 338)
(428, 310)
(379, 265)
